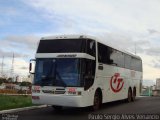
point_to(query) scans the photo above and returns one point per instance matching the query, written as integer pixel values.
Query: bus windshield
(57, 72)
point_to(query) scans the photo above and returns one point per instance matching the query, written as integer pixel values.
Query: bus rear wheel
(97, 101)
(129, 98)
(134, 95)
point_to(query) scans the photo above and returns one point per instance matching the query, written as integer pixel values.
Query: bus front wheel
(97, 101)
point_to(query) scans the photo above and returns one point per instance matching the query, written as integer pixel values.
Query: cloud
(121, 15)
(153, 51)
(19, 63)
(153, 31)
(150, 72)
(114, 22)
(21, 46)
(117, 40)
(130, 25)
(145, 48)
(156, 63)
(20, 67)
(10, 54)
(126, 42)
(28, 41)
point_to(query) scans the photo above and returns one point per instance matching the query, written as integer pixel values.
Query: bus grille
(59, 92)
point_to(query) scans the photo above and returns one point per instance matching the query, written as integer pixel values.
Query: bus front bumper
(59, 100)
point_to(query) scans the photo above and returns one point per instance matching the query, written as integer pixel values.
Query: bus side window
(127, 61)
(102, 50)
(136, 64)
(104, 53)
(91, 47)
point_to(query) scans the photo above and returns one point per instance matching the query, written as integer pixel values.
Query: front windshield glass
(57, 72)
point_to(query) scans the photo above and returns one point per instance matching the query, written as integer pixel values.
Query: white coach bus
(80, 71)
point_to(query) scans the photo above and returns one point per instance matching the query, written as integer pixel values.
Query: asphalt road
(142, 105)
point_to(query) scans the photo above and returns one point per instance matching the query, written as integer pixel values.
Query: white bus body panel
(63, 99)
(102, 80)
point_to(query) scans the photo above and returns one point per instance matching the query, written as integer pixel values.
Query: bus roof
(78, 36)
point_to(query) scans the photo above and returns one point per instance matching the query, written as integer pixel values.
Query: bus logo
(116, 83)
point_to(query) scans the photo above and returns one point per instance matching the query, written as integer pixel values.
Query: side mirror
(32, 66)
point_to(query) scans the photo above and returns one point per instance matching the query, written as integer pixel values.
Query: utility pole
(12, 67)
(2, 67)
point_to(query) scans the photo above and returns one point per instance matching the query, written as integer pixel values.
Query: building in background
(23, 79)
(156, 88)
(146, 91)
(158, 83)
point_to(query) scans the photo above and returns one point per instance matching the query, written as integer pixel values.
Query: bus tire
(97, 100)
(57, 108)
(134, 94)
(129, 98)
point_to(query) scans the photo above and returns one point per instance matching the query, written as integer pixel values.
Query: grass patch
(10, 102)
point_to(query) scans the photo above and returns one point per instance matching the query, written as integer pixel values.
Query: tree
(3, 80)
(10, 80)
(24, 83)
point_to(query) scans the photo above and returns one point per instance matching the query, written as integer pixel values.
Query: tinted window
(91, 47)
(89, 73)
(136, 64)
(117, 58)
(139, 64)
(108, 55)
(120, 59)
(127, 61)
(104, 54)
(101, 51)
(61, 46)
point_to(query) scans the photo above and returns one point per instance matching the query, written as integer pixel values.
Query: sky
(129, 25)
